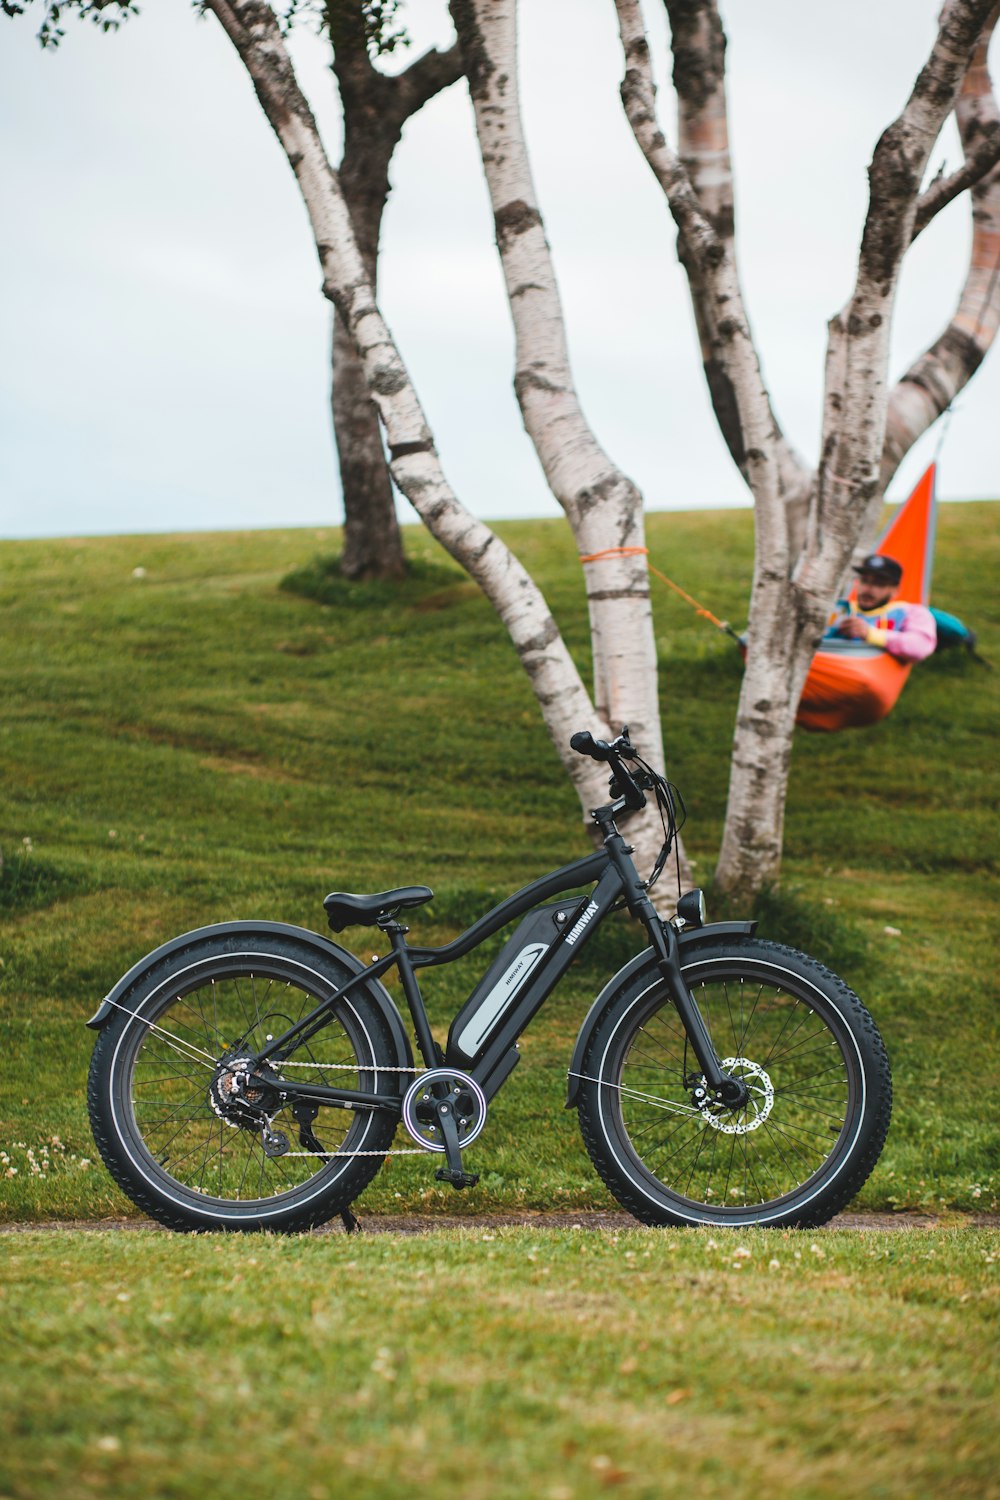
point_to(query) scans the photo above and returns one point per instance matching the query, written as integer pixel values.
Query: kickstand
(305, 1113)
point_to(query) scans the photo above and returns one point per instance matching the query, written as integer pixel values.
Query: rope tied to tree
(609, 552)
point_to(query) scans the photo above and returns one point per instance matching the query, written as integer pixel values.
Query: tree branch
(427, 76)
(698, 43)
(638, 93)
(387, 100)
(856, 396)
(933, 381)
(575, 466)
(707, 252)
(603, 505)
(376, 106)
(944, 190)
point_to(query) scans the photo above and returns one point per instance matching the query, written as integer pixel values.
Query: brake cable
(668, 797)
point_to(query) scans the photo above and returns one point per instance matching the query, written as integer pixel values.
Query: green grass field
(196, 742)
(186, 740)
(502, 1364)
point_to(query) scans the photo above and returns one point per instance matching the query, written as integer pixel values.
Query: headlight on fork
(691, 909)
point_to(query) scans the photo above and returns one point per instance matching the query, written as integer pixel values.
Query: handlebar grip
(583, 743)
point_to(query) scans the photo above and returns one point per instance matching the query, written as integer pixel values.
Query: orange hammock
(850, 683)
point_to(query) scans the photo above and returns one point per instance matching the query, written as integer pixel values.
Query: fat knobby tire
(819, 1086)
(263, 970)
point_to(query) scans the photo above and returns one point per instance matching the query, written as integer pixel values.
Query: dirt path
(584, 1220)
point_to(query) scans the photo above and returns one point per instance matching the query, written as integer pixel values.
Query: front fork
(663, 938)
(721, 1086)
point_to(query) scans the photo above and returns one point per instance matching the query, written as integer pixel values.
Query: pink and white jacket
(906, 631)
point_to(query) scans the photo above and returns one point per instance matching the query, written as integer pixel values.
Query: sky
(164, 340)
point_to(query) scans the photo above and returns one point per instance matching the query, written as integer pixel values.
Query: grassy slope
(196, 744)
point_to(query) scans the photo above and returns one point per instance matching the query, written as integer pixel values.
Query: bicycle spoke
(797, 1094)
(180, 1093)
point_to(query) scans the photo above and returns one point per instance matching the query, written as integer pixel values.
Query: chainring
(438, 1085)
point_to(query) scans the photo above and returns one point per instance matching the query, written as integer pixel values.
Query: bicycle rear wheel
(181, 1132)
(818, 1087)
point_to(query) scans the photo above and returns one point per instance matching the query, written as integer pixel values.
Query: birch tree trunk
(848, 491)
(416, 468)
(603, 506)
(797, 567)
(856, 405)
(707, 251)
(376, 107)
(703, 150)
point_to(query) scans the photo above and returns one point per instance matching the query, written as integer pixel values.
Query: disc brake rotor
(759, 1102)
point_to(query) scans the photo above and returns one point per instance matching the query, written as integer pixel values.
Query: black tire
(153, 1119)
(819, 1104)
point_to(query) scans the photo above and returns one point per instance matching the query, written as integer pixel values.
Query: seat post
(424, 1037)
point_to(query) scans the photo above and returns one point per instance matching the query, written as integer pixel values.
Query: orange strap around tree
(644, 552)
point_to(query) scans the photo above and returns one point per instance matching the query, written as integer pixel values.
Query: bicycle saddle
(344, 910)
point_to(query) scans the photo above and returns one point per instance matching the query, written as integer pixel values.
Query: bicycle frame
(674, 1132)
(483, 1036)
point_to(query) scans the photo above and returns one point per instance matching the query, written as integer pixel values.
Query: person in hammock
(876, 616)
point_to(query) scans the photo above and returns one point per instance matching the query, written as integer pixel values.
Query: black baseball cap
(885, 569)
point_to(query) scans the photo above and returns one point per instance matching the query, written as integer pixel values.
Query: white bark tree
(934, 380)
(603, 506)
(566, 706)
(811, 518)
(376, 106)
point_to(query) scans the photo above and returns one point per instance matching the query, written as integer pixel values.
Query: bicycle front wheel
(186, 1137)
(816, 1075)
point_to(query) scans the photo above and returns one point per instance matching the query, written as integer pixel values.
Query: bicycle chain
(368, 1068)
(330, 1155)
(354, 1067)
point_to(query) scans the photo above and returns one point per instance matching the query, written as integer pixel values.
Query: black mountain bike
(252, 1075)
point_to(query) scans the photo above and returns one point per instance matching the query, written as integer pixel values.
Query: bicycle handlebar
(583, 743)
(628, 788)
(623, 782)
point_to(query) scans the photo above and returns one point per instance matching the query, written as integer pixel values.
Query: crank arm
(454, 1173)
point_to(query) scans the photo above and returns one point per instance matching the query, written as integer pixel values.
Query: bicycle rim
(800, 1061)
(168, 1115)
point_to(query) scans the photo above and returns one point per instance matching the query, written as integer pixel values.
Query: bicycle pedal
(457, 1179)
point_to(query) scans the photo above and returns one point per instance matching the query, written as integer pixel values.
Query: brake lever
(627, 748)
(623, 746)
(624, 784)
